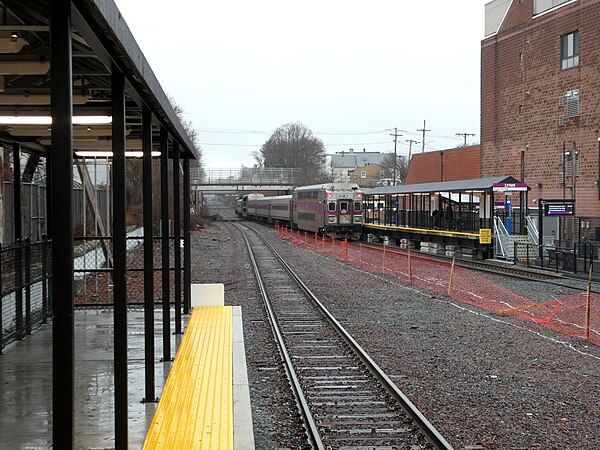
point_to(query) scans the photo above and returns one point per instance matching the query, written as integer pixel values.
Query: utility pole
(465, 136)
(410, 143)
(396, 136)
(424, 130)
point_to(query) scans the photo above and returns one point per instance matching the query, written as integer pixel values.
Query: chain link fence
(24, 288)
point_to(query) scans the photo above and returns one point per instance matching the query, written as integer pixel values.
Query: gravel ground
(480, 379)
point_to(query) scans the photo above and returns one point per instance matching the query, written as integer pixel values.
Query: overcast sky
(347, 69)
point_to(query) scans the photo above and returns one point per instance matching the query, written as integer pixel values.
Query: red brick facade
(524, 94)
(461, 163)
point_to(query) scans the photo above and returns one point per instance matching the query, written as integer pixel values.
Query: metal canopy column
(177, 236)
(186, 237)
(119, 257)
(18, 224)
(61, 81)
(18, 237)
(148, 255)
(164, 221)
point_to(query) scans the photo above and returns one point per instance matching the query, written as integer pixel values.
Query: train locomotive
(331, 209)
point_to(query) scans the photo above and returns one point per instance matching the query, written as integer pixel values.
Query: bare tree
(293, 145)
(401, 166)
(192, 134)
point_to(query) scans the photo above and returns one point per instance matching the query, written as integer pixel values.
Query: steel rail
(311, 429)
(432, 435)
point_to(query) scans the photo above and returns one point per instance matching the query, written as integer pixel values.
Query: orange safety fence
(576, 315)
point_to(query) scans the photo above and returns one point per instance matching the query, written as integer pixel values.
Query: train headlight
(358, 218)
(332, 220)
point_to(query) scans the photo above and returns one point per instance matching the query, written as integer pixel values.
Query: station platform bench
(205, 403)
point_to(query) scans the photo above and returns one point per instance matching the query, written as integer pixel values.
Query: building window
(382, 174)
(572, 98)
(521, 57)
(569, 50)
(521, 110)
(363, 174)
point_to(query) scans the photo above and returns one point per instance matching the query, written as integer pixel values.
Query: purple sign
(509, 187)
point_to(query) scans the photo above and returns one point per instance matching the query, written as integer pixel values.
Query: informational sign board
(485, 236)
(559, 209)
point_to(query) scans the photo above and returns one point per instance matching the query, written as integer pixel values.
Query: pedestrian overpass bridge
(229, 181)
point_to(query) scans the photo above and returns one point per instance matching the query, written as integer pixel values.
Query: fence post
(1, 301)
(451, 277)
(346, 250)
(574, 258)
(18, 289)
(44, 279)
(384, 259)
(588, 305)
(515, 250)
(410, 277)
(28, 286)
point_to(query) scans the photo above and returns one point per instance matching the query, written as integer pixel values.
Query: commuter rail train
(332, 209)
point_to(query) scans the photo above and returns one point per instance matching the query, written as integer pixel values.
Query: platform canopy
(474, 185)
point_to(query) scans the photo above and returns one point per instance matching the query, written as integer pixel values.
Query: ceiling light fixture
(47, 120)
(109, 154)
(43, 131)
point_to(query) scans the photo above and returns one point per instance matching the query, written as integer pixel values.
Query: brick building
(540, 102)
(461, 163)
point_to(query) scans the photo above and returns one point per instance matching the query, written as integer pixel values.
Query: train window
(356, 206)
(343, 207)
(331, 206)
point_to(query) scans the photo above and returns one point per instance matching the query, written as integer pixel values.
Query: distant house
(363, 168)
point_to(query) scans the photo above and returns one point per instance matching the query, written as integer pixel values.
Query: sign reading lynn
(509, 187)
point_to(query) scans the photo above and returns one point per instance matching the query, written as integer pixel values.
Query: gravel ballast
(480, 378)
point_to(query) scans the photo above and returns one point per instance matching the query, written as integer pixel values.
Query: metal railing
(254, 175)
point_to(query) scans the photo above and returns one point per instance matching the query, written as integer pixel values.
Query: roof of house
(351, 160)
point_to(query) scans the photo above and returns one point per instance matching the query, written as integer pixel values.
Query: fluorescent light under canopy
(47, 120)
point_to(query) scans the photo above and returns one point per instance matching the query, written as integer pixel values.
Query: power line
(410, 143)
(465, 136)
(424, 130)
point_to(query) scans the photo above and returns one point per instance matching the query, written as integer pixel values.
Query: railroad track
(345, 399)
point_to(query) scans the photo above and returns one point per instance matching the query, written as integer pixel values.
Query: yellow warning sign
(485, 236)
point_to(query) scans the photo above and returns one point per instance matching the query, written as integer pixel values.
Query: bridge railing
(253, 175)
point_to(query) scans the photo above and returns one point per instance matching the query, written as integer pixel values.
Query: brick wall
(520, 101)
(461, 163)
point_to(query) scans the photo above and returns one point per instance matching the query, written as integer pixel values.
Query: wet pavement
(26, 384)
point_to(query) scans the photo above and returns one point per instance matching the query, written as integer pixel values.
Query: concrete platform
(26, 384)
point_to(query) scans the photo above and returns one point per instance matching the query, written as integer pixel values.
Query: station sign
(509, 187)
(559, 209)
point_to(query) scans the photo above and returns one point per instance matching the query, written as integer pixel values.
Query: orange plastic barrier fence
(576, 315)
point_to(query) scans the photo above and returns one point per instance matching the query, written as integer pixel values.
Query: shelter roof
(477, 184)
(101, 40)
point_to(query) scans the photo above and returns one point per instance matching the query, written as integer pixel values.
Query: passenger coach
(332, 209)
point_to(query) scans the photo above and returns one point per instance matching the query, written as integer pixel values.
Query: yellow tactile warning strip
(196, 407)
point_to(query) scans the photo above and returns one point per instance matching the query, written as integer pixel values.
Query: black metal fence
(25, 293)
(576, 259)
(93, 276)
